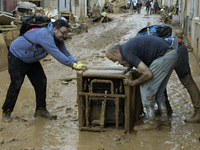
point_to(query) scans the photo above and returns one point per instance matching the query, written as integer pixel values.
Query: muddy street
(26, 132)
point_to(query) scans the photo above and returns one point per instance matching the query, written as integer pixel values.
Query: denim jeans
(153, 90)
(138, 9)
(18, 70)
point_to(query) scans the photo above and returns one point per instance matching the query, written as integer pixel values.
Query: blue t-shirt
(145, 48)
(147, 4)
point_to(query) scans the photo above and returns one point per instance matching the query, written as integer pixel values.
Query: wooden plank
(138, 105)
(115, 10)
(81, 112)
(101, 20)
(8, 29)
(8, 26)
(127, 108)
(65, 13)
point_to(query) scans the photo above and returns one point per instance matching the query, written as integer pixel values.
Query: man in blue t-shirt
(147, 4)
(23, 59)
(155, 59)
(156, 6)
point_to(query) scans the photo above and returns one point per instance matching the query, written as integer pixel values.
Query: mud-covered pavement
(28, 132)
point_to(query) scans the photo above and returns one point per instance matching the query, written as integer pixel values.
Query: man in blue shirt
(156, 6)
(139, 5)
(147, 4)
(155, 59)
(23, 59)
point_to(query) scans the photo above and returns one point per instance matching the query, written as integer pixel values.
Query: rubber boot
(151, 124)
(163, 112)
(195, 118)
(168, 106)
(44, 113)
(6, 115)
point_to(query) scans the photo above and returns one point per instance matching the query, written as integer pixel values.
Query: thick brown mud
(27, 132)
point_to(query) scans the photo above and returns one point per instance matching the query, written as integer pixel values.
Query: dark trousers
(184, 74)
(147, 9)
(183, 67)
(156, 9)
(18, 70)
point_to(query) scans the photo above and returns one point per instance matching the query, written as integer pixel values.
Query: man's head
(60, 28)
(113, 54)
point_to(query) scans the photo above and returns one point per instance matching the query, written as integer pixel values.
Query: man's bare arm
(146, 75)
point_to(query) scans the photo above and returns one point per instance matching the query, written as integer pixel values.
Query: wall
(196, 38)
(196, 44)
(9, 5)
(51, 3)
(81, 10)
(64, 5)
(187, 27)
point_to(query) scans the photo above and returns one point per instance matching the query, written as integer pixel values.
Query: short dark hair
(60, 23)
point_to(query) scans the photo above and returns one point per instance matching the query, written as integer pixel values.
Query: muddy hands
(127, 81)
(79, 66)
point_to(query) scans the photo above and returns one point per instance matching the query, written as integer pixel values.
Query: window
(76, 2)
(3, 5)
(66, 3)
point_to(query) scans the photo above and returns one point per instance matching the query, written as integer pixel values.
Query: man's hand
(127, 81)
(79, 66)
(146, 75)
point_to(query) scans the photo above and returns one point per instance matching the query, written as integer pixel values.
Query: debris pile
(77, 28)
(6, 18)
(167, 14)
(25, 10)
(8, 33)
(116, 7)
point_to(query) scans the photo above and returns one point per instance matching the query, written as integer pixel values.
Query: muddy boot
(168, 106)
(151, 124)
(163, 112)
(169, 109)
(6, 115)
(44, 113)
(195, 118)
(157, 112)
(147, 127)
